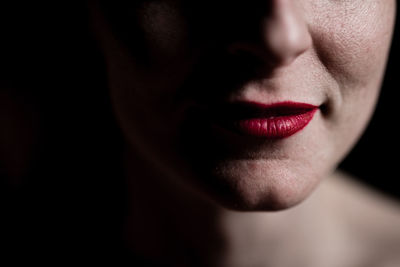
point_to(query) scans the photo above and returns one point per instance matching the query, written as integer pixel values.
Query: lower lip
(275, 127)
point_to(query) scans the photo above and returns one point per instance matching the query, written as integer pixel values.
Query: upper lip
(248, 109)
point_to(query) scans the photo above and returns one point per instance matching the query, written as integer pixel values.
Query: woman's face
(181, 72)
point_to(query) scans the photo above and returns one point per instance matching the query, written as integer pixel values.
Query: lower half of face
(176, 109)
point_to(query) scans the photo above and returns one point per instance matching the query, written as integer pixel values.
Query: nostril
(240, 49)
(252, 60)
(262, 57)
(247, 63)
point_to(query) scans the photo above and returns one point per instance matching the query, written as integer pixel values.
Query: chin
(255, 187)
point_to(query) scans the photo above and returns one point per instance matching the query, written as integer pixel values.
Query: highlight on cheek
(347, 35)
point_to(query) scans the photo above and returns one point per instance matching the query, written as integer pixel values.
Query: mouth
(273, 121)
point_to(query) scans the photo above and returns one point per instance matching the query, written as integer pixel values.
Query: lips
(273, 121)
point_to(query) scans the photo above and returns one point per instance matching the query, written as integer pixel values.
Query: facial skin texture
(176, 58)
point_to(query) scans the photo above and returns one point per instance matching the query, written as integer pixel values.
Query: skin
(173, 57)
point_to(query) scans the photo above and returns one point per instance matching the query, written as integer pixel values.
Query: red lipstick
(273, 121)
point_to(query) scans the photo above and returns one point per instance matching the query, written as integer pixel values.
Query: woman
(233, 106)
(232, 111)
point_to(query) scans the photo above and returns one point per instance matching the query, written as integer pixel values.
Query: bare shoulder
(370, 218)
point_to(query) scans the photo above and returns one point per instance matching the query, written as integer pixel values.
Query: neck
(173, 225)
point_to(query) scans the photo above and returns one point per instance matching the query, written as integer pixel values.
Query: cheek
(164, 32)
(165, 38)
(170, 56)
(352, 39)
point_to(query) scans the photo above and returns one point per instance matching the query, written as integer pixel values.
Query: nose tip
(286, 33)
(283, 38)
